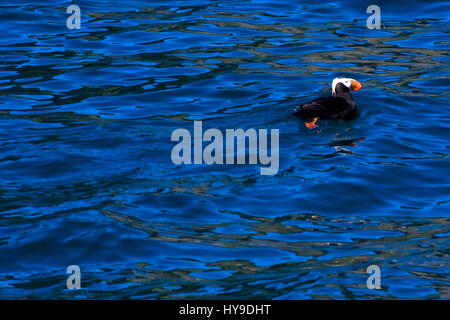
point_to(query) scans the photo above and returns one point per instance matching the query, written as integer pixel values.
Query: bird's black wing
(328, 107)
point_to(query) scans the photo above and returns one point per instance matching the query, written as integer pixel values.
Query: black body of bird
(338, 106)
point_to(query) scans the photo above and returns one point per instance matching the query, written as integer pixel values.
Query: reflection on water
(86, 177)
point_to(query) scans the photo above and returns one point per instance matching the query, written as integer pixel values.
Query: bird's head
(352, 84)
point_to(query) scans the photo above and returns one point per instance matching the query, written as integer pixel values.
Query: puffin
(339, 106)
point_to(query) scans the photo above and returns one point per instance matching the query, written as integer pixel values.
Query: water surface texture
(86, 176)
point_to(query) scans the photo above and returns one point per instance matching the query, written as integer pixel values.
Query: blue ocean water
(86, 176)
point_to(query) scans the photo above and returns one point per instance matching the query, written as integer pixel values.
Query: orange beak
(356, 85)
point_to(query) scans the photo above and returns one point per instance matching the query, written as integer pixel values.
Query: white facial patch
(345, 81)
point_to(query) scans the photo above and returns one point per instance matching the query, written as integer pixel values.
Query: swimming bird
(339, 106)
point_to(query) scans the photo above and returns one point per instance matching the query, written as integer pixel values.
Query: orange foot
(312, 124)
